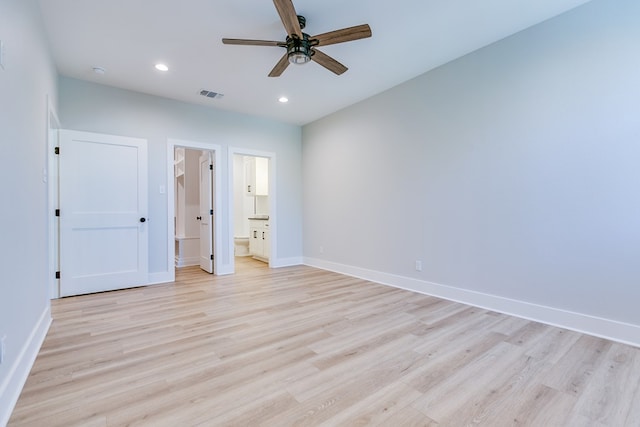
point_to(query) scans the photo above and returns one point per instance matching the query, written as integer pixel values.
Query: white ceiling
(410, 37)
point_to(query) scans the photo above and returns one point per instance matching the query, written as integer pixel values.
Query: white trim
(600, 327)
(287, 262)
(11, 386)
(161, 277)
(225, 270)
(273, 223)
(219, 208)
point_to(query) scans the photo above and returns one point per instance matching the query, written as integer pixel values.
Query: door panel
(103, 199)
(206, 215)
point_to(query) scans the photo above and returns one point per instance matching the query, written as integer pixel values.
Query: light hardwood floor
(301, 346)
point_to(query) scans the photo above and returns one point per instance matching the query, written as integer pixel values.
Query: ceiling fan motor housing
(299, 50)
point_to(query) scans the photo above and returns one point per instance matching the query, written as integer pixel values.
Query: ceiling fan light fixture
(298, 58)
(299, 50)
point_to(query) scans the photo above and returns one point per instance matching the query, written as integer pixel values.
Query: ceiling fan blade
(289, 17)
(344, 35)
(254, 42)
(328, 62)
(280, 67)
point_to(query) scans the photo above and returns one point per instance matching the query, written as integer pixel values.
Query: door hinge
(210, 167)
(212, 257)
(56, 150)
(57, 274)
(57, 212)
(210, 211)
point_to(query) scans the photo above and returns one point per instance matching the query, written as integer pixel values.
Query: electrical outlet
(2, 349)
(418, 265)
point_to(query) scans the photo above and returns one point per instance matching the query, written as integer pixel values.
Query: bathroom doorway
(252, 192)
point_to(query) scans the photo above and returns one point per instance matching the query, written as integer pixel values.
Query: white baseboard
(160, 277)
(11, 386)
(224, 269)
(187, 261)
(597, 326)
(286, 262)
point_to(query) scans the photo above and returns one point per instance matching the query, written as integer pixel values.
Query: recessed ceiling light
(99, 70)
(283, 99)
(162, 67)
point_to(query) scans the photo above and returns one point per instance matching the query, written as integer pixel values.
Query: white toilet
(241, 246)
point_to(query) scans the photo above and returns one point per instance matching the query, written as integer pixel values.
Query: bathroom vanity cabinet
(259, 242)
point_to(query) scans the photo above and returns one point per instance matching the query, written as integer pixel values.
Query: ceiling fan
(301, 47)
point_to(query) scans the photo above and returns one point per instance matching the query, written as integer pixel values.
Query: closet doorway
(194, 223)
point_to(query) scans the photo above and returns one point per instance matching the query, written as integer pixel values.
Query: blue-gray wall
(512, 172)
(96, 108)
(27, 82)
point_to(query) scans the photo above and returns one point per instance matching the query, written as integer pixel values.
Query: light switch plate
(2, 349)
(1, 54)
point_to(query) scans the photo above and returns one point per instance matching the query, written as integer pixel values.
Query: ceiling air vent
(210, 94)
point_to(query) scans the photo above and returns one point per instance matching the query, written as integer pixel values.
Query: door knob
(143, 219)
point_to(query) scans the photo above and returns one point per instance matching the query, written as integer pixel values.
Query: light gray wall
(513, 171)
(97, 108)
(26, 81)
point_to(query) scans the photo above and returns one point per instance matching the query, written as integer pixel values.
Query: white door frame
(171, 208)
(50, 176)
(273, 224)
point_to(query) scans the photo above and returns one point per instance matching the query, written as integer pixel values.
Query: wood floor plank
(617, 376)
(327, 404)
(573, 372)
(467, 384)
(378, 408)
(325, 380)
(302, 346)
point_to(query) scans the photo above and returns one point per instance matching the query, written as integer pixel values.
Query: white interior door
(103, 212)
(206, 212)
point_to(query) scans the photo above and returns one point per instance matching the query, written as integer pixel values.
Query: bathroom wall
(262, 205)
(243, 205)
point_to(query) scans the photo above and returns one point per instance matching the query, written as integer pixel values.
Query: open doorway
(252, 208)
(194, 200)
(251, 221)
(194, 213)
